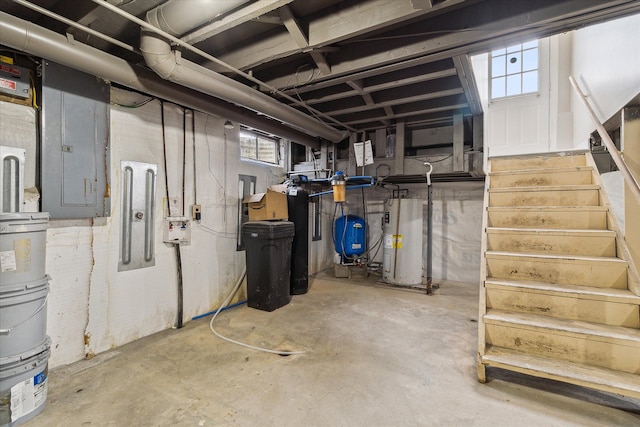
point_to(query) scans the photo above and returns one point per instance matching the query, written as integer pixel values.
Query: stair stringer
(633, 276)
(606, 379)
(482, 342)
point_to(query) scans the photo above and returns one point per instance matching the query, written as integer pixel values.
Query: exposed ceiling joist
(474, 28)
(321, 62)
(468, 82)
(247, 13)
(350, 19)
(294, 27)
(367, 63)
(446, 67)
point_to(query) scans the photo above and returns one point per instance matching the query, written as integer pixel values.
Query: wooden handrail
(613, 150)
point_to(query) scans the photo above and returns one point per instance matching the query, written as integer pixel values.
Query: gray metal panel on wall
(75, 143)
(137, 215)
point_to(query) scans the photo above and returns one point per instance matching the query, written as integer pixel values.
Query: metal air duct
(34, 40)
(173, 18)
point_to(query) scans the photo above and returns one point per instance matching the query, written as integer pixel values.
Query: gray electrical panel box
(75, 143)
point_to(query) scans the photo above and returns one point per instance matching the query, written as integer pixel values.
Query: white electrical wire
(224, 304)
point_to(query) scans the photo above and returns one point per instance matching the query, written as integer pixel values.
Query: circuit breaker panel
(75, 143)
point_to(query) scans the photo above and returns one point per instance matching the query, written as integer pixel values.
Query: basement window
(259, 148)
(514, 70)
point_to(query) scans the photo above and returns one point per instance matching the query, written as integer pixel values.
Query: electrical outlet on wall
(196, 212)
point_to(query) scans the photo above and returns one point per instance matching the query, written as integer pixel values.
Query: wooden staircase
(558, 298)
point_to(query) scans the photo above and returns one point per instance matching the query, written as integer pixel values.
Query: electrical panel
(75, 163)
(14, 81)
(12, 162)
(137, 211)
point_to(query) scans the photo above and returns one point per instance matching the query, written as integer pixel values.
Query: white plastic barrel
(23, 244)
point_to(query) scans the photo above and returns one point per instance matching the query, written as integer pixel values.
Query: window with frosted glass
(257, 147)
(514, 70)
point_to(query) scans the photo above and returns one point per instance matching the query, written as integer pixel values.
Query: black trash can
(268, 253)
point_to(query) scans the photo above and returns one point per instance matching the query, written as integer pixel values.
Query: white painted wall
(457, 225)
(18, 129)
(606, 64)
(93, 307)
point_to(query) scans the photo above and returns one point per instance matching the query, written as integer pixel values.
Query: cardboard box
(269, 205)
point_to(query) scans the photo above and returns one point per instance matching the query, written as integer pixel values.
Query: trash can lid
(267, 229)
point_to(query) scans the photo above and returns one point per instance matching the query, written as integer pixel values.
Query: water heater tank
(402, 253)
(349, 235)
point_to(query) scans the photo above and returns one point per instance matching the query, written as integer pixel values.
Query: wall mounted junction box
(177, 229)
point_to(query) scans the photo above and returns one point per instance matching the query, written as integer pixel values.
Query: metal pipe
(156, 49)
(613, 150)
(430, 240)
(429, 229)
(74, 24)
(176, 18)
(34, 40)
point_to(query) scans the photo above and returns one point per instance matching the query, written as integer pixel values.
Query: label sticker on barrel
(7, 261)
(28, 395)
(22, 249)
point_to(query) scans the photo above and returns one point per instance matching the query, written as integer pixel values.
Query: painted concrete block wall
(93, 307)
(606, 64)
(457, 225)
(321, 251)
(18, 129)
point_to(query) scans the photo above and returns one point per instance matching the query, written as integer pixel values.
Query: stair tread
(552, 231)
(549, 208)
(541, 170)
(497, 254)
(577, 373)
(548, 188)
(630, 335)
(586, 292)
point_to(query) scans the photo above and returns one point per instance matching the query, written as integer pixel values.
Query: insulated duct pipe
(157, 52)
(34, 40)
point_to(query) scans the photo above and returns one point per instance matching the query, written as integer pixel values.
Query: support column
(478, 142)
(381, 142)
(458, 143)
(400, 138)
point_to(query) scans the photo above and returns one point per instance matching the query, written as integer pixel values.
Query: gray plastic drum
(24, 382)
(23, 244)
(23, 317)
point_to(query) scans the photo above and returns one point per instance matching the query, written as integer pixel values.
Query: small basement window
(514, 70)
(259, 148)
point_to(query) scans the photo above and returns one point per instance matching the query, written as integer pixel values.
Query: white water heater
(402, 255)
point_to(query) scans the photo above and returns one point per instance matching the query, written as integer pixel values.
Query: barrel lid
(24, 216)
(45, 346)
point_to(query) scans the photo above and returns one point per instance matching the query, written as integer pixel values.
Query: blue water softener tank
(349, 234)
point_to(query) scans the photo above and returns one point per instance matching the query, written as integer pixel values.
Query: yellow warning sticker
(393, 241)
(397, 241)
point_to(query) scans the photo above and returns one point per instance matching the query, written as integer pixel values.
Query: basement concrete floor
(375, 357)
